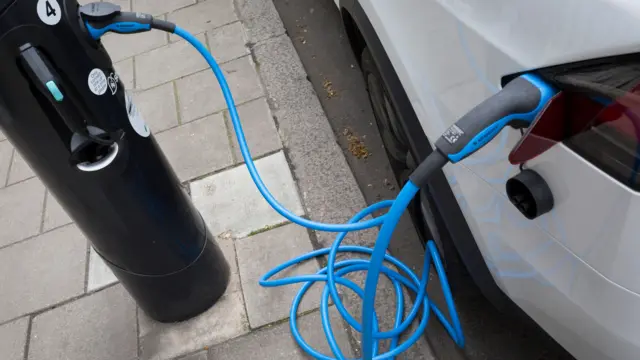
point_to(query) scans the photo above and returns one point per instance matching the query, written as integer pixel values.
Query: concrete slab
(168, 63)
(276, 342)
(6, 152)
(229, 201)
(54, 214)
(157, 7)
(13, 338)
(202, 355)
(20, 170)
(158, 107)
(203, 16)
(121, 46)
(228, 42)
(258, 127)
(101, 326)
(197, 148)
(200, 94)
(20, 211)
(100, 275)
(223, 321)
(42, 272)
(124, 69)
(262, 252)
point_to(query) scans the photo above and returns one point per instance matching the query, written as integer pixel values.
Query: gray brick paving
(226, 320)
(259, 129)
(42, 271)
(203, 16)
(20, 170)
(276, 342)
(100, 275)
(124, 69)
(197, 148)
(54, 214)
(167, 63)
(20, 211)
(6, 151)
(124, 4)
(228, 42)
(121, 47)
(260, 253)
(158, 107)
(157, 7)
(13, 337)
(229, 201)
(101, 326)
(181, 101)
(200, 94)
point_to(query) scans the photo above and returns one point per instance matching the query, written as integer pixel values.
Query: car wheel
(395, 142)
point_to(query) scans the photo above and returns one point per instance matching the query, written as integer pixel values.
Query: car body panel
(573, 270)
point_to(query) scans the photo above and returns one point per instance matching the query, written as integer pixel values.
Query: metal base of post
(183, 294)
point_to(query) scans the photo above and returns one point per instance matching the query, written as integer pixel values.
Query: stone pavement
(60, 301)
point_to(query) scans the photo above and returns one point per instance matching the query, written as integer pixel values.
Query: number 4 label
(49, 11)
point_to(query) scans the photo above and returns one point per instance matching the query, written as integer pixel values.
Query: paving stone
(197, 148)
(259, 129)
(13, 337)
(227, 244)
(54, 213)
(158, 107)
(260, 253)
(101, 326)
(277, 343)
(100, 275)
(223, 321)
(121, 46)
(20, 211)
(42, 271)
(168, 63)
(6, 151)
(156, 7)
(124, 69)
(20, 170)
(261, 19)
(200, 94)
(202, 355)
(229, 201)
(228, 42)
(203, 16)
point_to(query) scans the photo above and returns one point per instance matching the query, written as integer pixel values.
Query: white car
(575, 269)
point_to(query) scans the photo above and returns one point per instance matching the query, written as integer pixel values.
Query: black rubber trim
(420, 148)
(163, 25)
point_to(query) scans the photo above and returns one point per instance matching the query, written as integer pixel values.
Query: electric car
(573, 269)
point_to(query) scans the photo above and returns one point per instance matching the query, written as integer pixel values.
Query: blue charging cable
(333, 274)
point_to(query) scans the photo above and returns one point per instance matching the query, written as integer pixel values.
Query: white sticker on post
(49, 11)
(97, 82)
(135, 117)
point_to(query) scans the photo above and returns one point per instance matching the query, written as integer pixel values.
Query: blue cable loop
(332, 274)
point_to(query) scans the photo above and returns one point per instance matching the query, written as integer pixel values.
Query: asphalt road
(316, 30)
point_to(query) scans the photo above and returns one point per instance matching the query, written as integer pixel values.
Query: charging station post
(64, 108)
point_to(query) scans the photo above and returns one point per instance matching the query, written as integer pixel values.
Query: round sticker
(135, 117)
(49, 11)
(97, 82)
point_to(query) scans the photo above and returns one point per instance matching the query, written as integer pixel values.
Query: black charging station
(66, 111)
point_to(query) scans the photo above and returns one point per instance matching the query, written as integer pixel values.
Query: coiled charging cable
(334, 273)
